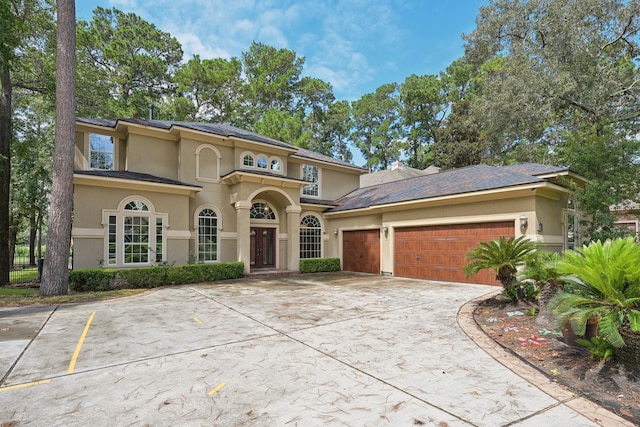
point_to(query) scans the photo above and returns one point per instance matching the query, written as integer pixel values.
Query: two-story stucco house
(148, 192)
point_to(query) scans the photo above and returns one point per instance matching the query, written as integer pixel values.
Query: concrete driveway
(310, 350)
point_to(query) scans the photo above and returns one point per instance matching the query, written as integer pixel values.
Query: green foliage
(521, 291)
(124, 63)
(377, 126)
(91, 279)
(461, 142)
(603, 282)
(502, 256)
(152, 277)
(599, 348)
(318, 265)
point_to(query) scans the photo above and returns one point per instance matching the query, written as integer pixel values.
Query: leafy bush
(503, 256)
(152, 277)
(318, 265)
(604, 283)
(91, 279)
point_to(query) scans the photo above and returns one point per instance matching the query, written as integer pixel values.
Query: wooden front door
(263, 247)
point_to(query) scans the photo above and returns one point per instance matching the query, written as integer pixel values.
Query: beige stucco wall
(152, 155)
(88, 230)
(536, 208)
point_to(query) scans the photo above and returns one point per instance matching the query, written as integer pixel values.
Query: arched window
(207, 235)
(310, 237)
(261, 210)
(276, 165)
(134, 234)
(247, 160)
(262, 163)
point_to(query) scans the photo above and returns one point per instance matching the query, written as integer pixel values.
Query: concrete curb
(585, 407)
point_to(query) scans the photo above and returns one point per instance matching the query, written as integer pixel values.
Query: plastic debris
(511, 328)
(515, 313)
(492, 320)
(533, 340)
(544, 331)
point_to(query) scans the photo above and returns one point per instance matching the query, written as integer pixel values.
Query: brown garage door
(361, 251)
(438, 252)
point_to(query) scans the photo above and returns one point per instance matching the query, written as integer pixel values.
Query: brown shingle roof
(456, 181)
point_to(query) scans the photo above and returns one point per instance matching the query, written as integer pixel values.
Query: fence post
(40, 267)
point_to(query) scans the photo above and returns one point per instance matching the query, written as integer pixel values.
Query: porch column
(293, 231)
(243, 227)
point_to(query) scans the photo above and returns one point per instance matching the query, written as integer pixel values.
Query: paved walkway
(311, 350)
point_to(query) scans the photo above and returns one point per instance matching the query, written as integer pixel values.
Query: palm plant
(541, 269)
(504, 256)
(604, 283)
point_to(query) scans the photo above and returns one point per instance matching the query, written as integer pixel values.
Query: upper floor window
(247, 160)
(101, 151)
(311, 173)
(275, 165)
(262, 163)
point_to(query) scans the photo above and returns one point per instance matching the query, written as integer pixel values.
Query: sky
(356, 45)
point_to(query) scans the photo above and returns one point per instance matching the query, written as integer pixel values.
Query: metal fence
(25, 273)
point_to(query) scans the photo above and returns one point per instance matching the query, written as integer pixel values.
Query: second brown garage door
(361, 251)
(439, 252)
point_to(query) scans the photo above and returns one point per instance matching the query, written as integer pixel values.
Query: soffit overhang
(132, 184)
(237, 177)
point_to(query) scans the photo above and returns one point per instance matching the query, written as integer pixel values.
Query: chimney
(150, 111)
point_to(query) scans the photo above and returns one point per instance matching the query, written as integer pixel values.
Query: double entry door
(263, 247)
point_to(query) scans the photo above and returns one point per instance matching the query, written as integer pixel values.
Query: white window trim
(87, 150)
(319, 181)
(268, 159)
(218, 156)
(120, 213)
(323, 229)
(196, 216)
(264, 221)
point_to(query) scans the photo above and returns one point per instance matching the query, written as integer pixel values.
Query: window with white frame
(101, 152)
(261, 210)
(311, 173)
(572, 235)
(276, 165)
(247, 160)
(310, 237)
(135, 235)
(262, 163)
(207, 235)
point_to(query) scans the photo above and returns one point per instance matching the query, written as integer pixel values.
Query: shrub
(318, 265)
(91, 279)
(503, 256)
(152, 277)
(604, 283)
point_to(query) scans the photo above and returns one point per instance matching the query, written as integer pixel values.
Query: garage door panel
(361, 251)
(439, 252)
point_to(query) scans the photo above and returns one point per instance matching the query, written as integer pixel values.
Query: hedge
(98, 279)
(318, 265)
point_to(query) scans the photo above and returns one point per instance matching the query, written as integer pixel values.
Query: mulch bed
(605, 383)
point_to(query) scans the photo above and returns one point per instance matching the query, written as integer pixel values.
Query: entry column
(293, 231)
(243, 227)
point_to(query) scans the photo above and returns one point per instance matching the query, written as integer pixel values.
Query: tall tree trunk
(55, 273)
(5, 170)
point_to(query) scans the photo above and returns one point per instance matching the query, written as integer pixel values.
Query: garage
(361, 251)
(439, 252)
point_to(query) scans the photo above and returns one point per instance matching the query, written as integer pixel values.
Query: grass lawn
(12, 297)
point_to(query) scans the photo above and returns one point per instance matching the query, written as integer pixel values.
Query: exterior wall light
(335, 231)
(385, 229)
(524, 223)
